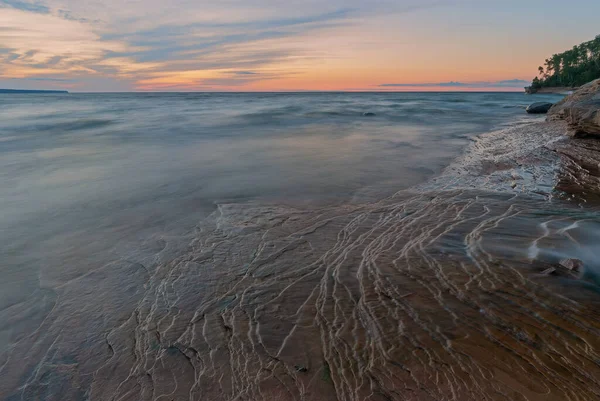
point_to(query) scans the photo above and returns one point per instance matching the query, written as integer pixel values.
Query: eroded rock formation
(580, 155)
(581, 110)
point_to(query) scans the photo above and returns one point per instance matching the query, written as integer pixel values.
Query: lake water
(85, 169)
(149, 240)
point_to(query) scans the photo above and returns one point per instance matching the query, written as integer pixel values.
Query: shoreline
(517, 159)
(563, 90)
(537, 157)
(414, 291)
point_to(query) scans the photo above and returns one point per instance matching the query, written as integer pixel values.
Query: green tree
(573, 67)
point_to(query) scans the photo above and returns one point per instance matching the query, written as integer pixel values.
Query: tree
(573, 67)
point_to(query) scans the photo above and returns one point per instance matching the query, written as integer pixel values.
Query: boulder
(539, 108)
(581, 110)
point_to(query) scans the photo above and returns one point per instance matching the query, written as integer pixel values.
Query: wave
(75, 125)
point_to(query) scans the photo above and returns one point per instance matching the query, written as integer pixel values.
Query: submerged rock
(574, 265)
(549, 271)
(539, 108)
(369, 114)
(301, 369)
(566, 268)
(581, 110)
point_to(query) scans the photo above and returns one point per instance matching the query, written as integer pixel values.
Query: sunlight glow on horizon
(275, 45)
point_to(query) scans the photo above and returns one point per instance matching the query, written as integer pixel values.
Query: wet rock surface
(579, 175)
(580, 172)
(413, 298)
(581, 110)
(574, 265)
(432, 294)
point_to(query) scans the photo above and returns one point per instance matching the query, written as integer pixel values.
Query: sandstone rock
(566, 268)
(539, 108)
(580, 172)
(581, 109)
(584, 118)
(549, 271)
(574, 265)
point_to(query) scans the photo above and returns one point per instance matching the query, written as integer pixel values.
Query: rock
(574, 265)
(581, 110)
(530, 90)
(369, 114)
(301, 369)
(549, 271)
(579, 174)
(584, 118)
(566, 268)
(539, 108)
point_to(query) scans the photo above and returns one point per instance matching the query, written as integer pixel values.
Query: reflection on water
(256, 247)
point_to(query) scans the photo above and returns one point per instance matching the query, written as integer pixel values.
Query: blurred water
(151, 243)
(84, 173)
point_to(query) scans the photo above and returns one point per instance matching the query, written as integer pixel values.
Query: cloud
(183, 44)
(51, 79)
(68, 15)
(194, 41)
(35, 44)
(514, 82)
(243, 73)
(33, 6)
(38, 40)
(511, 83)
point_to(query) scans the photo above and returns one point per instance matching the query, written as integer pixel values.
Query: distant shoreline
(557, 89)
(10, 91)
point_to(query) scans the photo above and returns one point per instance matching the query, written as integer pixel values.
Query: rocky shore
(581, 110)
(580, 154)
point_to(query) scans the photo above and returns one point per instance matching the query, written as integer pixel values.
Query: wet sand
(435, 293)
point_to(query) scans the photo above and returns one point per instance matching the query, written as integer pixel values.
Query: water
(255, 246)
(91, 170)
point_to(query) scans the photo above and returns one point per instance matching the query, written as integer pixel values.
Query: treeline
(574, 67)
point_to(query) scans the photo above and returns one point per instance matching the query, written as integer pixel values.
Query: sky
(285, 45)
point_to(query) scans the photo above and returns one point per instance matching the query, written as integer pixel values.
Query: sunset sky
(271, 45)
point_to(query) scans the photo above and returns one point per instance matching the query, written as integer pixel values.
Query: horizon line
(276, 91)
